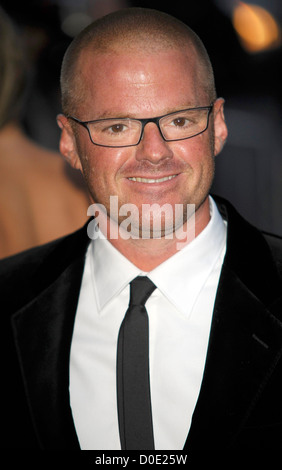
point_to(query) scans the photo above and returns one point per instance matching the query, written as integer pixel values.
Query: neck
(147, 254)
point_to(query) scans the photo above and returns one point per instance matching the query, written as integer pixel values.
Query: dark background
(249, 169)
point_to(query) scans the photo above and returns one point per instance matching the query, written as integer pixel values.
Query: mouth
(152, 180)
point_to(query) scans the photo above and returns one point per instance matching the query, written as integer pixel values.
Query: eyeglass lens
(123, 132)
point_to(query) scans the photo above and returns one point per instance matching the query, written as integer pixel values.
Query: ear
(68, 146)
(220, 128)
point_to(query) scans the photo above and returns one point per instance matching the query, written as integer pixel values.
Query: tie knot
(140, 290)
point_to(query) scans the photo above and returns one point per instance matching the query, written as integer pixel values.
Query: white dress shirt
(180, 312)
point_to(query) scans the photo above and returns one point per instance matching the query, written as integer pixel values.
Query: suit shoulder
(37, 255)
(26, 274)
(25, 261)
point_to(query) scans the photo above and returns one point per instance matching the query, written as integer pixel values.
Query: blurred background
(244, 42)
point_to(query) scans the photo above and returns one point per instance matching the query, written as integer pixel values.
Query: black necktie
(133, 382)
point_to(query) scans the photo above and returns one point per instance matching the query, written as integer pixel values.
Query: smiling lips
(152, 180)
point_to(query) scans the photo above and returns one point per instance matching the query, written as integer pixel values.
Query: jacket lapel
(245, 341)
(43, 330)
(244, 347)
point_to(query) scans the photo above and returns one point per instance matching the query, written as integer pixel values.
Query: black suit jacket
(240, 401)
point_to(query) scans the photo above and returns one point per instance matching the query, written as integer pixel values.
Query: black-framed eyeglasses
(127, 132)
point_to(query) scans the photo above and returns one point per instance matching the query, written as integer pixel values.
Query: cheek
(91, 158)
(95, 172)
(195, 152)
(101, 167)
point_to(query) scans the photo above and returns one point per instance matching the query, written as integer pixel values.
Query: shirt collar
(180, 278)
(111, 271)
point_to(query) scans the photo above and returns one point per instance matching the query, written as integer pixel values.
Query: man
(143, 123)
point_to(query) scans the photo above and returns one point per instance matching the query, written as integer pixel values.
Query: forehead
(138, 83)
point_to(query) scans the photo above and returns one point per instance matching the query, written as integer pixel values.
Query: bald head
(131, 30)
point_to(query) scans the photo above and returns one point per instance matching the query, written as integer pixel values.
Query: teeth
(151, 180)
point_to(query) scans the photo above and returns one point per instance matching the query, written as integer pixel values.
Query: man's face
(140, 86)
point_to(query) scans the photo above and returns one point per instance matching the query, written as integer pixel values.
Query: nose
(152, 146)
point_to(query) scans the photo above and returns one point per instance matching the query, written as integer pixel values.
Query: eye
(116, 128)
(180, 122)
